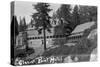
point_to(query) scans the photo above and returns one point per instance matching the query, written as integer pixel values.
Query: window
(50, 36)
(47, 36)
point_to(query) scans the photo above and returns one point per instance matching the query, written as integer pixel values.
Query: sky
(25, 9)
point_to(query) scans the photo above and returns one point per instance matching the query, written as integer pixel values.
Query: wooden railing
(56, 36)
(59, 36)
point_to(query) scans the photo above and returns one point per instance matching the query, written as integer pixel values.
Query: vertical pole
(44, 37)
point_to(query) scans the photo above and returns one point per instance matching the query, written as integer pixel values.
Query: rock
(93, 56)
(68, 59)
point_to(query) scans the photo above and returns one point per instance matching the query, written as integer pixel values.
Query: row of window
(56, 36)
(75, 37)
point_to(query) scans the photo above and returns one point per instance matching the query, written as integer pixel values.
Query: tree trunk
(44, 38)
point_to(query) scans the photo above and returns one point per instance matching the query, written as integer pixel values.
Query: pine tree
(75, 18)
(25, 34)
(24, 24)
(14, 28)
(23, 27)
(88, 13)
(66, 18)
(70, 18)
(64, 12)
(14, 33)
(42, 19)
(32, 22)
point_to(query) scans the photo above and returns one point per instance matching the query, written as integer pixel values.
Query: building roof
(83, 27)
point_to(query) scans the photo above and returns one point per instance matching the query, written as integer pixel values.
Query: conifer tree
(42, 19)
